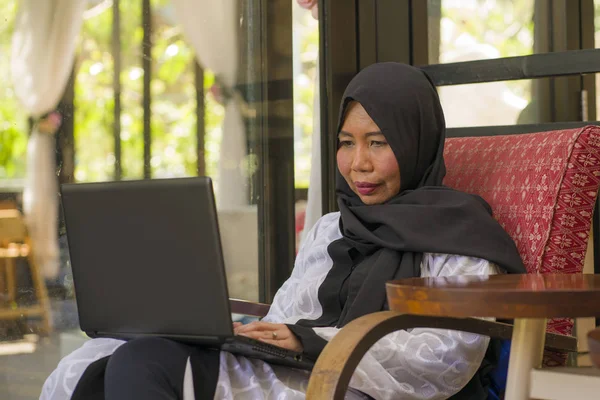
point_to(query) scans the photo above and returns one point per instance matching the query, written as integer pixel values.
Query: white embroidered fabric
(415, 364)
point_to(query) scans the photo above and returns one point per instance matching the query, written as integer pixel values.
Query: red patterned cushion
(542, 188)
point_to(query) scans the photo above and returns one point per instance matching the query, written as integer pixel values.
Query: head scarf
(386, 242)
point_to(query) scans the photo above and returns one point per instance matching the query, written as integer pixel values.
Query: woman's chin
(371, 200)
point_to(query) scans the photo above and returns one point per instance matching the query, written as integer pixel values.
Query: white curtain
(43, 48)
(210, 27)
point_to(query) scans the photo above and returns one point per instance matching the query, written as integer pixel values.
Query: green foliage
(13, 141)
(307, 32)
(504, 25)
(173, 114)
(173, 107)
(13, 121)
(94, 101)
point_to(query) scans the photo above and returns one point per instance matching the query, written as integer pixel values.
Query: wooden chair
(542, 188)
(15, 244)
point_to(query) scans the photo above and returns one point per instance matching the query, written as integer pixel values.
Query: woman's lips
(365, 188)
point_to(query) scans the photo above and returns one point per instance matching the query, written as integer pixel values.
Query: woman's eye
(345, 143)
(378, 143)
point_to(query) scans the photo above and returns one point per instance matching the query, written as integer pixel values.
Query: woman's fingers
(237, 325)
(275, 334)
(257, 335)
(271, 335)
(257, 326)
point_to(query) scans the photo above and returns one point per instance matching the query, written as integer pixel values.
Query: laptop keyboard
(267, 348)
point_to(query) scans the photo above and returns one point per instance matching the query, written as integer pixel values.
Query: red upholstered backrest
(542, 188)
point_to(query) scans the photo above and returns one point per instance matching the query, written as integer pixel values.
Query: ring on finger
(274, 335)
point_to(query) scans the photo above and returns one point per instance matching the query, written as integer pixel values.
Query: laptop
(147, 261)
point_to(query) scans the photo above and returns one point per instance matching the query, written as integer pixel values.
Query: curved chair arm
(332, 372)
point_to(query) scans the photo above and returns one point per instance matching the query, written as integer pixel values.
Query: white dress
(414, 364)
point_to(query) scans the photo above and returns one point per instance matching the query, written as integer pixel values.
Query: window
(483, 29)
(140, 103)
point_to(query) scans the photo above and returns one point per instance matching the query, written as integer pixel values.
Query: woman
(395, 221)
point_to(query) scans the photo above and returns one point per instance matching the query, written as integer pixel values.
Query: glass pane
(131, 33)
(306, 50)
(492, 103)
(205, 118)
(484, 29)
(468, 30)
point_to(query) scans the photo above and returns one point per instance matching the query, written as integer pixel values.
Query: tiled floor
(22, 376)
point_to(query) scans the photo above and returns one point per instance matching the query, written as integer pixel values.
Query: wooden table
(528, 299)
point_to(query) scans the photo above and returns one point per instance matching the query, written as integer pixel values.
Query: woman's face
(365, 159)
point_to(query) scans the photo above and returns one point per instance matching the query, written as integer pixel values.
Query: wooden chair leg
(2, 280)
(11, 281)
(526, 353)
(41, 293)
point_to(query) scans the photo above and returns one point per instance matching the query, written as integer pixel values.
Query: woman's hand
(276, 334)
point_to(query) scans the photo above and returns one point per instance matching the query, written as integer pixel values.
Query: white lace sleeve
(63, 380)
(423, 363)
(282, 307)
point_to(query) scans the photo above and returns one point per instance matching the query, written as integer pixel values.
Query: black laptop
(147, 261)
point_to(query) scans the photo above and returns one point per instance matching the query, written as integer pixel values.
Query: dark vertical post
(250, 38)
(200, 122)
(419, 33)
(588, 42)
(339, 62)
(394, 31)
(147, 67)
(65, 134)
(542, 93)
(367, 33)
(116, 54)
(434, 20)
(277, 148)
(566, 36)
(250, 52)
(65, 141)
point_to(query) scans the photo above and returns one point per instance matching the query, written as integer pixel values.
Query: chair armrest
(249, 308)
(336, 364)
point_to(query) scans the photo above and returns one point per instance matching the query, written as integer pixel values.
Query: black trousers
(150, 369)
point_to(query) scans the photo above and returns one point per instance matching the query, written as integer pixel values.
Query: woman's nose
(362, 160)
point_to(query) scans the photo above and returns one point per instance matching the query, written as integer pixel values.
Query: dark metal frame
(339, 46)
(200, 119)
(573, 62)
(147, 92)
(116, 54)
(273, 141)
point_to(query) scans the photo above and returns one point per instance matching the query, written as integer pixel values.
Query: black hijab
(386, 242)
